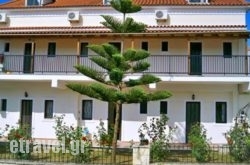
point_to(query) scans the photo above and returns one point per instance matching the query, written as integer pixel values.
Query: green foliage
(200, 144)
(160, 134)
(112, 86)
(68, 134)
(145, 79)
(20, 135)
(104, 137)
(239, 141)
(125, 6)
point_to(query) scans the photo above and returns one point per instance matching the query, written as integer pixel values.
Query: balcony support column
(244, 88)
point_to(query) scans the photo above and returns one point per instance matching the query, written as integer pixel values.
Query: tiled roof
(100, 30)
(68, 3)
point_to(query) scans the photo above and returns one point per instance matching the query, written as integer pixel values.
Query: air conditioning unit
(161, 14)
(3, 17)
(73, 16)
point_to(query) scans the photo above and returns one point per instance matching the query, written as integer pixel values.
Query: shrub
(240, 146)
(200, 144)
(69, 134)
(21, 136)
(104, 137)
(160, 136)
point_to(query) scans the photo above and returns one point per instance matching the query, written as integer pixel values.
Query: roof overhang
(158, 31)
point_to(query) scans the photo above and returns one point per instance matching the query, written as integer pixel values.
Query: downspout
(79, 121)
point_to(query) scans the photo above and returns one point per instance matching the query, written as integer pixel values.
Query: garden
(198, 150)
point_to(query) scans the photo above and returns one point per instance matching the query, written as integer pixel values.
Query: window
(87, 108)
(51, 49)
(227, 49)
(48, 109)
(163, 107)
(144, 46)
(118, 45)
(32, 2)
(221, 112)
(106, 2)
(84, 49)
(7, 47)
(144, 107)
(164, 46)
(3, 104)
(198, 1)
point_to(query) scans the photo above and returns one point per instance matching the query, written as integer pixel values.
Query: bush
(67, 135)
(239, 138)
(160, 136)
(199, 143)
(104, 137)
(240, 146)
(19, 135)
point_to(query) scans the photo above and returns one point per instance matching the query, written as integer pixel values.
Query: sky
(2, 1)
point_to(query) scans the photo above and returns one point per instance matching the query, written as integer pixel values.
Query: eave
(154, 31)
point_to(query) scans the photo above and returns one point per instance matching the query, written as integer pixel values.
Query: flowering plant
(21, 135)
(68, 135)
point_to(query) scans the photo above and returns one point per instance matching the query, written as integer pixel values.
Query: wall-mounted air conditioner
(73, 16)
(161, 14)
(3, 17)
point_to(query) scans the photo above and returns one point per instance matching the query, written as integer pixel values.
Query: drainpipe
(78, 113)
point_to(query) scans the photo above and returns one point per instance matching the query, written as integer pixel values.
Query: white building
(198, 48)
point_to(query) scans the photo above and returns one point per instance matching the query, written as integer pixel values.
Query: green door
(28, 58)
(192, 115)
(195, 58)
(26, 115)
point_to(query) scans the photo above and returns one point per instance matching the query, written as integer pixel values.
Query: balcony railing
(160, 64)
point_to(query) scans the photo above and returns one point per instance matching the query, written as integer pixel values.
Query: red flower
(84, 138)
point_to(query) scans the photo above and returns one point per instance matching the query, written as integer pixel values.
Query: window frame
(84, 50)
(51, 52)
(164, 46)
(144, 45)
(91, 110)
(48, 109)
(32, 3)
(163, 107)
(115, 43)
(6, 47)
(144, 107)
(4, 103)
(219, 112)
(227, 49)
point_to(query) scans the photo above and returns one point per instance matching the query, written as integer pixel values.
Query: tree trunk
(116, 127)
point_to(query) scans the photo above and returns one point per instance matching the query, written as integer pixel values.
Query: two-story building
(198, 48)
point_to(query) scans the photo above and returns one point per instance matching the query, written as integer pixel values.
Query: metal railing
(93, 155)
(159, 64)
(182, 153)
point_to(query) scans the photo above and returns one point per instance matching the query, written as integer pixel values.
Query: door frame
(29, 127)
(188, 126)
(29, 58)
(198, 57)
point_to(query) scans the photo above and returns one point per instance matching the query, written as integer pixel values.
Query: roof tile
(68, 3)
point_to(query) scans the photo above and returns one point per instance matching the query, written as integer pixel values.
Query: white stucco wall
(91, 16)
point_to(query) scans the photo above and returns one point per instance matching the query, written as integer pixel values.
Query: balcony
(205, 65)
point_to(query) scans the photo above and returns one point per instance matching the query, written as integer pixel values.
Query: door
(111, 118)
(28, 60)
(195, 58)
(192, 115)
(26, 115)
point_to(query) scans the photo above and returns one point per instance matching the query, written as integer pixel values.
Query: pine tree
(111, 86)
